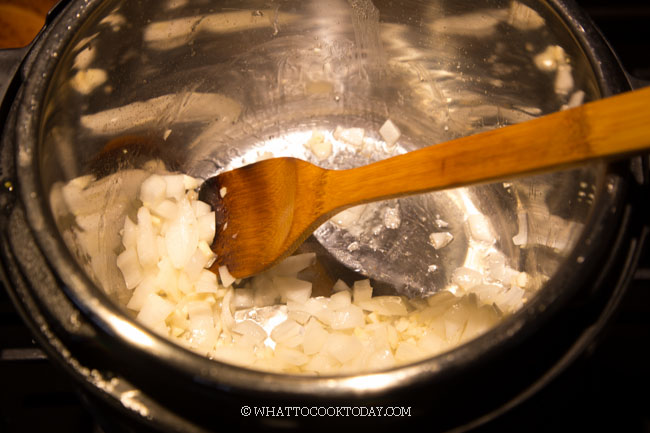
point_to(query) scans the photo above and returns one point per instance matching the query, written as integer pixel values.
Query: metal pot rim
(111, 320)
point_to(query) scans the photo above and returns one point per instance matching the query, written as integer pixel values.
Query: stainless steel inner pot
(212, 89)
(205, 87)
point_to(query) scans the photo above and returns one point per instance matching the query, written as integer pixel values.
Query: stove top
(600, 392)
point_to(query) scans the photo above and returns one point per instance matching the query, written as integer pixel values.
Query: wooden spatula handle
(614, 126)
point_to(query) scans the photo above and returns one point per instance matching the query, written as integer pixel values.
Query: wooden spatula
(265, 210)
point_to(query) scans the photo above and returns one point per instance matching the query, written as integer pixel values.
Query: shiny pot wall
(207, 87)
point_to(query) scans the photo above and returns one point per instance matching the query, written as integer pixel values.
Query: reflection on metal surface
(132, 333)
(167, 35)
(169, 110)
(369, 382)
(21, 354)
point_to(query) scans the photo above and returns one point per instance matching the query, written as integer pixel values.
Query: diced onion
(155, 310)
(128, 263)
(272, 321)
(389, 132)
(342, 347)
(153, 190)
(291, 356)
(362, 291)
(384, 305)
(252, 329)
(340, 286)
(182, 235)
(314, 338)
(292, 289)
(340, 300)
(440, 240)
(466, 278)
(129, 234)
(146, 243)
(175, 186)
(347, 318)
(226, 278)
(293, 264)
(141, 293)
(353, 136)
(288, 333)
(243, 298)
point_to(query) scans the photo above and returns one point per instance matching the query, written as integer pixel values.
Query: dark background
(606, 390)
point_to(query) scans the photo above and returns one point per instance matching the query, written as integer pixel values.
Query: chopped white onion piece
(317, 307)
(293, 264)
(165, 209)
(185, 285)
(146, 243)
(226, 278)
(155, 310)
(128, 263)
(564, 80)
(196, 264)
(361, 291)
(440, 223)
(342, 347)
(348, 217)
(200, 208)
(265, 292)
(153, 190)
(487, 293)
(440, 240)
(207, 282)
(408, 352)
(190, 183)
(389, 132)
(292, 289)
(340, 300)
(301, 317)
(314, 338)
(384, 305)
(227, 319)
(431, 343)
(347, 317)
(207, 227)
(511, 299)
(141, 293)
(352, 136)
(243, 298)
(340, 286)
(322, 150)
(576, 99)
(252, 329)
(129, 234)
(202, 333)
(166, 274)
(288, 333)
(175, 186)
(381, 359)
(322, 364)
(291, 356)
(182, 235)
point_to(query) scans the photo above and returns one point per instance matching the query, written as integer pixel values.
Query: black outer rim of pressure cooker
(75, 322)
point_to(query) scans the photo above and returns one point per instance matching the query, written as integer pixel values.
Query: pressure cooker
(203, 85)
